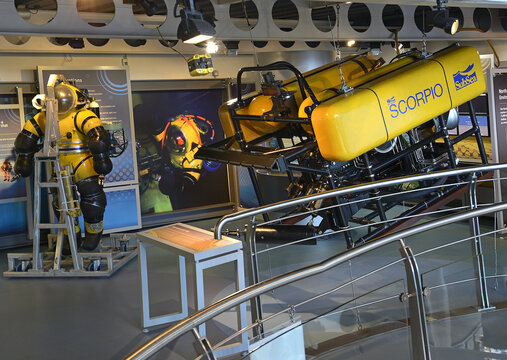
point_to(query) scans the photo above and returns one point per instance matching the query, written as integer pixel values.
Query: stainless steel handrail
(157, 343)
(349, 190)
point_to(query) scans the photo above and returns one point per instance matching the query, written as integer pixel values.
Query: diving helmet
(69, 98)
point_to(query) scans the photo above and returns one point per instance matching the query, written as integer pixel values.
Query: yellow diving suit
(84, 145)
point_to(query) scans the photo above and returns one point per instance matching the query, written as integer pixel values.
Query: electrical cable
(333, 39)
(412, 52)
(337, 46)
(396, 43)
(497, 58)
(250, 27)
(169, 45)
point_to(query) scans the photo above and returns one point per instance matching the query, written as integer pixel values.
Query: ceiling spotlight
(440, 18)
(76, 43)
(351, 43)
(232, 47)
(193, 28)
(211, 47)
(150, 6)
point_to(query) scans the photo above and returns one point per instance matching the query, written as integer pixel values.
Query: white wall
(20, 67)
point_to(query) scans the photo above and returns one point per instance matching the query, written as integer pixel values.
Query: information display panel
(110, 86)
(498, 107)
(10, 125)
(13, 192)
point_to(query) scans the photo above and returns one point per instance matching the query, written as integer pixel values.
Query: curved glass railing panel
(183, 348)
(447, 270)
(461, 299)
(331, 322)
(419, 289)
(495, 260)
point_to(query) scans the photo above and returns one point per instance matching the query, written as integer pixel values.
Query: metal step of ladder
(65, 219)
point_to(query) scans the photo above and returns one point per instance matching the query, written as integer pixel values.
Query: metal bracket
(404, 297)
(292, 313)
(205, 345)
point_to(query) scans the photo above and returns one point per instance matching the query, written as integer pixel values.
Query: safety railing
(405, 291)
(432, 191)
(252, 214)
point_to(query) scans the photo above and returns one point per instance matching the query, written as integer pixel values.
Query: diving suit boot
(93, 233)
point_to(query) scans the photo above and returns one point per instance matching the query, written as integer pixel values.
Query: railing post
(475, 231)
(339, 217)
(204, 346)
(417, 311)
(252, 272)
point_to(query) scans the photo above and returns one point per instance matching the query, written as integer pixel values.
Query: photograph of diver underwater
(170, 127)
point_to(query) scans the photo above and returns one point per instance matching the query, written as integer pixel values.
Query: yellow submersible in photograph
(348, 125)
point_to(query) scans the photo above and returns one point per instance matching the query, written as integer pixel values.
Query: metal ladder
(50, 157)
(66, 220)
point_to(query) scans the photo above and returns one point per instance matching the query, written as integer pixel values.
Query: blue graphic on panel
(464, 78)
(13, 116)
(465, 124)
(9, 129)
(121, 210)
(13, 219)
(110, 86)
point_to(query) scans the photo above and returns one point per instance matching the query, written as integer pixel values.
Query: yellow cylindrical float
(348, 125)
(319, 79)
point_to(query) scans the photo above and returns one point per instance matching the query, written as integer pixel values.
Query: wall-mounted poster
(12, 191)
(10, 125)
(170, 126)
(500, 126)
(110, 87)
(122, 209)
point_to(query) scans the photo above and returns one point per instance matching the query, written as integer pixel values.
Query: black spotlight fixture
(193, 29)
(76, 43)
(440, 18)
(149, 6)
(232, 47)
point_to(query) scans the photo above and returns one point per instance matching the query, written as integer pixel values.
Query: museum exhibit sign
(110, 87)
(498, 110)
(14, 193)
